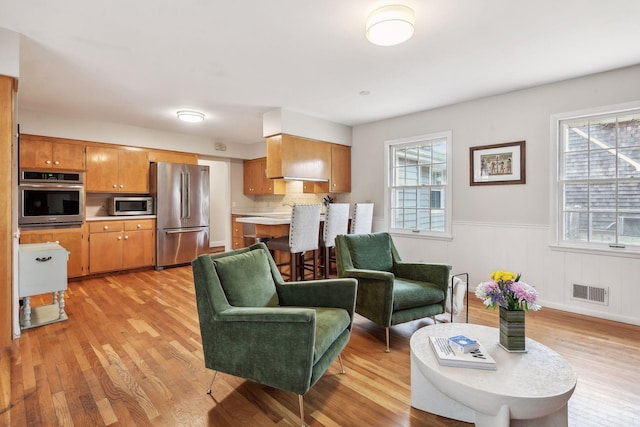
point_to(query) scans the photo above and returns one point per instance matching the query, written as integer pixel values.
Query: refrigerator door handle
(188, 193)
(191, 230)
(181, 195)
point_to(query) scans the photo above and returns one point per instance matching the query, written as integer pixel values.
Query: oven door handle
(51, 185)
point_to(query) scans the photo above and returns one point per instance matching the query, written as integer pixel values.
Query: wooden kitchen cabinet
(42, 153)
(72, 239)
(237, 233)
(117, 170)
(172, 157)
(121, 245)
(294, 157)
(252, 181)
(340, 181)
(255, 181)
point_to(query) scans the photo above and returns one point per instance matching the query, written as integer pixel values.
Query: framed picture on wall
(497, 164)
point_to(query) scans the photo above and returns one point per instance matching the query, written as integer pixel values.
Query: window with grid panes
(419, 184)
(599, 180)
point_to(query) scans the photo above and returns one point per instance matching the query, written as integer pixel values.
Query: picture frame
(498, 164)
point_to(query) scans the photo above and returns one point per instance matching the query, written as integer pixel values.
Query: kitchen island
(266, 226)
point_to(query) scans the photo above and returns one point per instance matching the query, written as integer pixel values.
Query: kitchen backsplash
(294, 195)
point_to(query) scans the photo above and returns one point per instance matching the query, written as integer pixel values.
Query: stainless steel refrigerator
(181, 197)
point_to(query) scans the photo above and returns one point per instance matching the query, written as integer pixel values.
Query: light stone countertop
(264, 220)
(118, 217)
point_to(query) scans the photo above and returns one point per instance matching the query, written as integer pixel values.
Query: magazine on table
(477, 359)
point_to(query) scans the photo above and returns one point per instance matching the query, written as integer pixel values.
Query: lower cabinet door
(138, 249)
(105, 252)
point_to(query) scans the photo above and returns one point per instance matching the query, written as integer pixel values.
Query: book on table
(462, 344)
(446, 356)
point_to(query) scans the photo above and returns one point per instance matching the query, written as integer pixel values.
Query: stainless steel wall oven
(51, 198)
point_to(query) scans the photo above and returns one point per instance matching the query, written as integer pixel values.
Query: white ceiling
(136, 62)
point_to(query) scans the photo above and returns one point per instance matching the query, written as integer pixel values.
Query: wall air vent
(591, 294)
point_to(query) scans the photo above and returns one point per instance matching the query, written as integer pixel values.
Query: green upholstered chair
(390, 291)
(258, 327)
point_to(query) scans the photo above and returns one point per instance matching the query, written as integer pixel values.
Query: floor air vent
(591, 294)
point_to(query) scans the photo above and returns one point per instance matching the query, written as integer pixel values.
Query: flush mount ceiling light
(390, 25)
(190, 116)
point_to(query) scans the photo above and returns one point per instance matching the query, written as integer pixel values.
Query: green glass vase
(512, 337)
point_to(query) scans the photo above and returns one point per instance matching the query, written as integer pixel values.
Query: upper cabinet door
(340, 169)
(102, 169)
(133, 171)
(117, 170)
(41, 153)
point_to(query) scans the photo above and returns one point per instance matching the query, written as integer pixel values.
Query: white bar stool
(362, 218)
(303, 237)
(336, 221)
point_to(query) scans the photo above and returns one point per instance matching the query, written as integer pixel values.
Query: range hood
(297, 178)
(298, 159)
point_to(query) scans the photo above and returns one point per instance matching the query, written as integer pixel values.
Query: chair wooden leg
(294, 267)
(342, 371)
(301, 404)
(387, 336)
(211, 385)
(326, 252)
(315, 264)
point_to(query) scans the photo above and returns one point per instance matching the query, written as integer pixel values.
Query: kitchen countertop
(265, 220)
(270, 219)
(118, 217)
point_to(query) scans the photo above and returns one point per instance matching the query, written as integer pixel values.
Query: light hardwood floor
(130, 354)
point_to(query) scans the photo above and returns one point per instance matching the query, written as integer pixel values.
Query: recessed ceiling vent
(593, 294)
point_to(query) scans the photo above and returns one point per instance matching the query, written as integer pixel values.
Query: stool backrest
(362, 220)
(336, 221)
(305, 228)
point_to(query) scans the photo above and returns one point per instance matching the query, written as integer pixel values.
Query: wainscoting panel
(480, 248)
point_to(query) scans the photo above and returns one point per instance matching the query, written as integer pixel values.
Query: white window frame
(447, 233)
(556, 221)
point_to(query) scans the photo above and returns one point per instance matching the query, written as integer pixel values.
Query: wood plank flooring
(130, 355)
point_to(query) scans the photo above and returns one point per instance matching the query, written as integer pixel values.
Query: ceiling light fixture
(390, 25)
(190, 116)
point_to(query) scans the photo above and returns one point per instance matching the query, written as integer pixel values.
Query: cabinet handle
(48, 162)
(56, 162)
(121, 185)
(334, 184)
(126, 237)
(119, 237)
(139, 225)
(106, 227)
(115, 185)
(43, 259)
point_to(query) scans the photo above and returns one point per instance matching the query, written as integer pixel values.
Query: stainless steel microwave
(127, 205)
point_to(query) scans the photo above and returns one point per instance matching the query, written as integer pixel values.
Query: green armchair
(258, 327)
(390, 291)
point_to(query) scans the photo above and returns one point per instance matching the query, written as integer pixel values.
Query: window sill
(614, 252)
(421, 235)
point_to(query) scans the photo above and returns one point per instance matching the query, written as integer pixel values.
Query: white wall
(508, 226)
(219, 205)
(39, 123)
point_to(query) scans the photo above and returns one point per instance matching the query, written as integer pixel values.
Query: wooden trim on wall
(6, 283)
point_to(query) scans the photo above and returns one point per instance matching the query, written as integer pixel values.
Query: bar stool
(303, 237)
(336, 221)
(362, 218)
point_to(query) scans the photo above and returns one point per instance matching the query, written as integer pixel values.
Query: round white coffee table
(531, 388)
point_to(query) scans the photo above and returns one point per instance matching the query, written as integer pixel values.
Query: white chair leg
(301, 404)
(211, 385)
(386, 330)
